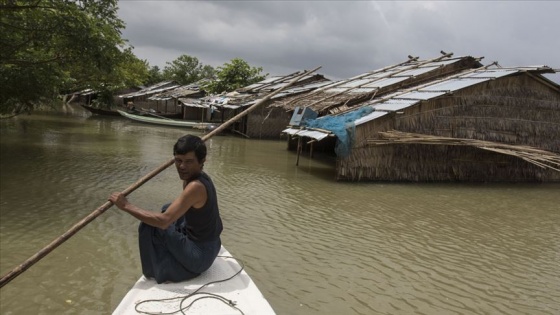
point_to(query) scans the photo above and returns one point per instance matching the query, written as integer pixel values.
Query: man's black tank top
(205, 224)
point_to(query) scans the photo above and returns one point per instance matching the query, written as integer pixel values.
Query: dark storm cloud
(346, 38)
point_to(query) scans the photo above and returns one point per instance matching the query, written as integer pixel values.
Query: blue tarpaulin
(342, 126)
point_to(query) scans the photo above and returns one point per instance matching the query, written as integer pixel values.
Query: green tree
(208, 72)
(130, 71)
(187, 69)
(155, 75)
(52, 47)
(236, 74)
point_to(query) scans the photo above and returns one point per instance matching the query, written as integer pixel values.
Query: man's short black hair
(190, 143)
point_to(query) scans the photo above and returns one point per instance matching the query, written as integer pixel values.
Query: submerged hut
(184, 99)
(140, 98)
(487, 124)
(90, 98)
(84, 97)
(346, 94)
(263, 122)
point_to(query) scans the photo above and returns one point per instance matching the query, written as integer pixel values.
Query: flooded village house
(469, 123)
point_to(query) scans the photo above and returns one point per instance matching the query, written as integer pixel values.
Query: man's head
(190, 143)
(190, 154)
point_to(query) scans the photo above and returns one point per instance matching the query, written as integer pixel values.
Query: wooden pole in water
(298, 150)
(97, 212)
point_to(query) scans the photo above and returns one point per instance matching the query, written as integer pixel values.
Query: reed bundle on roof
(532, 155)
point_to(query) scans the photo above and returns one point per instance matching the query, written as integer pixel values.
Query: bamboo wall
(267, 123)
(430, 163)
(142, 102)
(516, 110)
(194, 113)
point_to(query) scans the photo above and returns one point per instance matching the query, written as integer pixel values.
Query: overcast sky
(346, 38)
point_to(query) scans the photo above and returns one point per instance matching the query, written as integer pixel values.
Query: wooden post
(298, 150)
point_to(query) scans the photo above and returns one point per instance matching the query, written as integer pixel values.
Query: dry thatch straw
(541, 158)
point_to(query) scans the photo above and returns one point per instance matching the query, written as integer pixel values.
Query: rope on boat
(206, 295)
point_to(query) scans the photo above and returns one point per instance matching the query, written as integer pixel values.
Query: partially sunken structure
(466, 123)
(264, 122)
(141, 98)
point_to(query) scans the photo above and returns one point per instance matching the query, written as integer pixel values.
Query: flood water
(312, 245)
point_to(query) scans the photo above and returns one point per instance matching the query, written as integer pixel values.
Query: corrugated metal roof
(149, 91)
(156, 98)
(273, 83)
(400, 100)
(273, 87)
(356, 83)
(178, 92)
(285, 93)
(373, 115)
(421, 95)
(445, 62)
(394, 105)
(491, 73)
(454, 84)
(385, 82)
(369, 82)
(362, 90)
(310, 86)
(318, 135)
(337, 90)
(193, 102)
(415, 72)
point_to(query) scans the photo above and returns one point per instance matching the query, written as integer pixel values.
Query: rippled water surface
(312, 245)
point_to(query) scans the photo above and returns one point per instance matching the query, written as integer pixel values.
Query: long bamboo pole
(101, 209)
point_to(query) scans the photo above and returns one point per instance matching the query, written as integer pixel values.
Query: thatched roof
(179, 92)
(87, 92)
(342, 95)
(248, 95)
(274, 83)
(152, 89)
(193, 102)
(405, 98)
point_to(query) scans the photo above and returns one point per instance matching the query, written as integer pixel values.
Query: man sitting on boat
(183, 240)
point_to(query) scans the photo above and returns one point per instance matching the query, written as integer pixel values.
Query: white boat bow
(148, 297)
(169, 122)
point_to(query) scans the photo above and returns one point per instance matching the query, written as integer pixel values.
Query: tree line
(51, 48)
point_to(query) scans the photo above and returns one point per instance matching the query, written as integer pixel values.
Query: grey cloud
(345, 37)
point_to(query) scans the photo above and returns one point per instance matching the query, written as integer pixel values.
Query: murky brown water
(312, 245)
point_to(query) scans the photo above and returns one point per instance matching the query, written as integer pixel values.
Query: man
(184, 239)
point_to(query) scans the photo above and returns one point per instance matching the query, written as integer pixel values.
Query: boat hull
(240, 289)
(168, 122)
